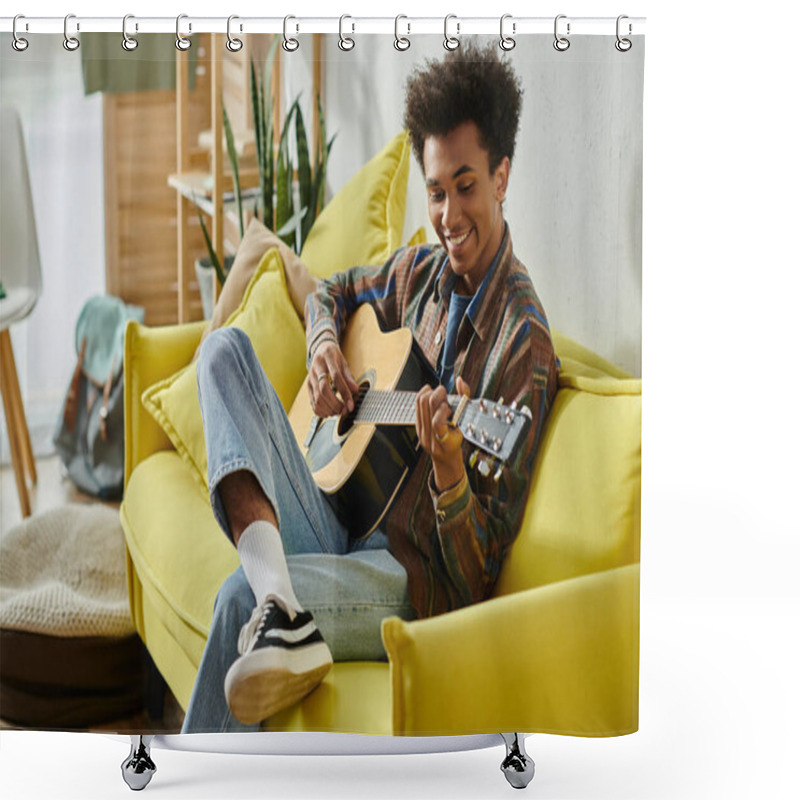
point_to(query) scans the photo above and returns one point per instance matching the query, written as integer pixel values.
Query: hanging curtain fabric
(382, 417)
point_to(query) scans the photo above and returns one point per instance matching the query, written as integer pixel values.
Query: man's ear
(501, 179)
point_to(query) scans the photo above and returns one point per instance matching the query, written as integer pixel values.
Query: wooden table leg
(7, 382)
(19, 409)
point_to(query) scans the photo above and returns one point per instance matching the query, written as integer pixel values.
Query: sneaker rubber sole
(263, 682)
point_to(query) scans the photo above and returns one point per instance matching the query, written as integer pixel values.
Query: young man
(306, 592)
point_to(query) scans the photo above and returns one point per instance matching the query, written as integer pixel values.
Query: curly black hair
(469, 84)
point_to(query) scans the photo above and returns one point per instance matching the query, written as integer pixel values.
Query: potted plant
(284, 205)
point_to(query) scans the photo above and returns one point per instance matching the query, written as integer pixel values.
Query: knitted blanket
(62, 573)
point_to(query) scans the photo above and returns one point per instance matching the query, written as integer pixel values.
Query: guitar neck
(384, 407)
(489, 426)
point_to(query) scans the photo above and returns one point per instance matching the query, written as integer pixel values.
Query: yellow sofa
(555, 650)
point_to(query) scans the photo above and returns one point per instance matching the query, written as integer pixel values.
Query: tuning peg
(526, 412)
(497, 444)
(484, 436)
(514, 405)
(473, 458)
(498, 473)
(509, 418)
(485, 467)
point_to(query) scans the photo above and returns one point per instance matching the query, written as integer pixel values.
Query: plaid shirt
(452, 544)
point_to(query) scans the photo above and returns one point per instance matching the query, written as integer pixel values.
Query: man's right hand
(328, 375)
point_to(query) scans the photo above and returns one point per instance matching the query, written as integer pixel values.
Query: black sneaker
(281, 660)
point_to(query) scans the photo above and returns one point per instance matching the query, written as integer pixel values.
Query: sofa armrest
(561, 658)
(151, 354)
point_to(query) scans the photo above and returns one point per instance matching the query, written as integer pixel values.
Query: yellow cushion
(363, 223)
(583, 513)
(579, 360)
(418, 237)
(268, 317)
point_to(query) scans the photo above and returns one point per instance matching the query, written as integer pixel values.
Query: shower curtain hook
(71, 43)
(451, 42)
(346, 42)
(129, 43)
(561, 43)
(289, 44)
(18, 43)
(234, 45)
(623, 45)
(507, 42)
(401, 42)
(182, 42)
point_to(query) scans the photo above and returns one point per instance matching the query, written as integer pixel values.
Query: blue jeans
(349, 586)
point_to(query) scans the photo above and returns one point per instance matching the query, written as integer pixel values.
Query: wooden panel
(142, 215)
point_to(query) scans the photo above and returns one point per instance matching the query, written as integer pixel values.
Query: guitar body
(361, 467)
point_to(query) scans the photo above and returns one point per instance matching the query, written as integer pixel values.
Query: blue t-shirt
(458, 307)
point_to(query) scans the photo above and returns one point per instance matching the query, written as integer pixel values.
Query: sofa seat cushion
(355, 697)
(181, 559)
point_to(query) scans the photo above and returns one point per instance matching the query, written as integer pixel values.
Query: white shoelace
(254, 626)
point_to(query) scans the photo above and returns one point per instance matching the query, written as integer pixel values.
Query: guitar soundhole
(346, 421)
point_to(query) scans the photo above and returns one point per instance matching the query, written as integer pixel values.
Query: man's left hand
(438, 438)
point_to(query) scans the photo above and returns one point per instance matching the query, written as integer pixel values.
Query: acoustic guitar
(361, 458)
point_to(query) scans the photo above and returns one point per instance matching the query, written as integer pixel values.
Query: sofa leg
(138, 768)
(517, 766)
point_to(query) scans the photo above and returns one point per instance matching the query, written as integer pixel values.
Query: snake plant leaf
(258, 130)
(292, 223)
(283, 181)
(268, 163)
(303, 169)
(230, 144)
(212, 255)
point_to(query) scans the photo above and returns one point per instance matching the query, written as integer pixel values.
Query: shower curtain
(149, 177)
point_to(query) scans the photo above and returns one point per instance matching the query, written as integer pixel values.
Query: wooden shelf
(200, 180)
(198, 187)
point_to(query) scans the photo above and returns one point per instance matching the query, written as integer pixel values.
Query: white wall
(63, 135)
(574, 202)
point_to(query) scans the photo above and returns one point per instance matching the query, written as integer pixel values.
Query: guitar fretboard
(384, 407)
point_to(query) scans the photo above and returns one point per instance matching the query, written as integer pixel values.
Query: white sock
(264, 564)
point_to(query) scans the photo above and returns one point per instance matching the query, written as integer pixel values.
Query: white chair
(21, 276)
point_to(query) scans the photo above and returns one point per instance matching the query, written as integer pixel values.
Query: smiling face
(464, 201)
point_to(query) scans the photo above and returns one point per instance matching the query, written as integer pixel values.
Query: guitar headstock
(494, 429)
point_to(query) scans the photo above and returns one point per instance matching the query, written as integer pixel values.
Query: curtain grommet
(561, 43)
(289, 44)
(182, 42)
(17, 42)
(451, 42)
(71, 43)
(129, 43)
(401, 43)
(346, 43)
(233, 44)
(507, 42)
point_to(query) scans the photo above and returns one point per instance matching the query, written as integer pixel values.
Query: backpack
(90, 435)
